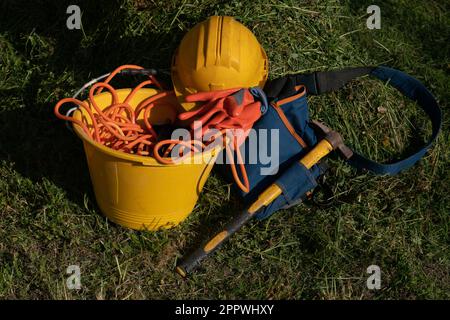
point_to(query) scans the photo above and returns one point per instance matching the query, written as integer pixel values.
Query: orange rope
(115, 126)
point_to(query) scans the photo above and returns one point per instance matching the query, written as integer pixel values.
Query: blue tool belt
(287, 113)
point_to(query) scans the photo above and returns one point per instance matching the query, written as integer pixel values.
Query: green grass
(48, 216)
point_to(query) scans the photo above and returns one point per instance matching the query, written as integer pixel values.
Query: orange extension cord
(116, 126)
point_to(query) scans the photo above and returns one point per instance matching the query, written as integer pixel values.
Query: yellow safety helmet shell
(218, 53)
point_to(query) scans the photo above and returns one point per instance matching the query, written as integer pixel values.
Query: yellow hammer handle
(264, 199)
(318, 152)
(311, 158)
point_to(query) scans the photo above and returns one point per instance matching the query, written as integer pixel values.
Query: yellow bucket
(136, 191)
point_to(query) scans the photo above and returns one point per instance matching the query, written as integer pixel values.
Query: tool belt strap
(323, 82)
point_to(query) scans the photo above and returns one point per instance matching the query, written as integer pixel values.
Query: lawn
(48, 215)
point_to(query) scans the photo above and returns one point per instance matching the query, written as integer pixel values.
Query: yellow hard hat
(218, 53)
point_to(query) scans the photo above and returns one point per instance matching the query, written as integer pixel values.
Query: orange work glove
(225, 109)
(232, 109)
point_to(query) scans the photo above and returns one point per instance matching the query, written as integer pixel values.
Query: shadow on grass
(43, 148)
(39, 144)
(104, 42)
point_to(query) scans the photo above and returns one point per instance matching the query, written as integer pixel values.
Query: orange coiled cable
(116, 127)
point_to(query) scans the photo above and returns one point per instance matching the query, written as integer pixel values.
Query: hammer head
(334, 138)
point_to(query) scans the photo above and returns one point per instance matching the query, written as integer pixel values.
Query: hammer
(331, 141)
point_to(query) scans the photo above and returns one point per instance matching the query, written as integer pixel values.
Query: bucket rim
(145, 160)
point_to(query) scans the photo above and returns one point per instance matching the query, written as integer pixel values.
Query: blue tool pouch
(288, 115)
(289, 136)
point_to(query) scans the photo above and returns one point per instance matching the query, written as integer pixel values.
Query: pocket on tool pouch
(290, 118)
(295, 182)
